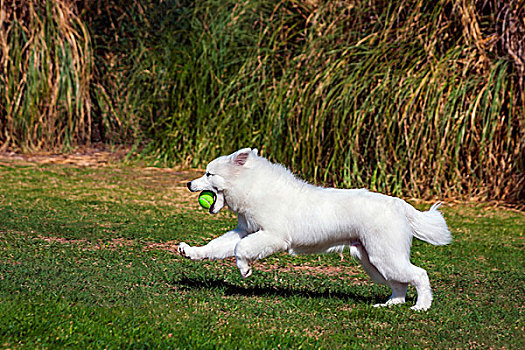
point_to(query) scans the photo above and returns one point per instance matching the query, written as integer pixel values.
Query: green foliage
(417, 98)
(399, 97)
(85, 262)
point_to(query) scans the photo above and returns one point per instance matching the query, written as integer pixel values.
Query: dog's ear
(241, 156)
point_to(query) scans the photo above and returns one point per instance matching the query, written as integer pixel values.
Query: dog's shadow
(251, 290)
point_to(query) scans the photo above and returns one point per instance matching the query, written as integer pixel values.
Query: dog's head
(219, 173)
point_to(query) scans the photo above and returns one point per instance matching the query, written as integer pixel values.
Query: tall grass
(45, 72)
(415, 98)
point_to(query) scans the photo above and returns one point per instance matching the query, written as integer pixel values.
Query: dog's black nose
(189, 185)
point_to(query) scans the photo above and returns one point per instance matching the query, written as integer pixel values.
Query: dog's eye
(208, 174)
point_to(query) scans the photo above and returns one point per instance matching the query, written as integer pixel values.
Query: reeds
(45, 72)
(415, 98)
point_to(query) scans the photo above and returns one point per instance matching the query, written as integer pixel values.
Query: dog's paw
(184, 249)
(246, 273)
(244, 268)
(188, 252)
(391, 302)
(381, 305)
(420, 307)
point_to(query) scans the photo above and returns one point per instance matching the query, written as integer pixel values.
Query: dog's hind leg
(424, 292)
(399, 289)
(358, 252)
(399, 272)
(256, 246)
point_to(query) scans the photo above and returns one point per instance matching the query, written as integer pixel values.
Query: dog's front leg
(256, 246)
(218, 248)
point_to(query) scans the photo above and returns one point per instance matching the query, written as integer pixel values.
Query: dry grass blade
(45, 67)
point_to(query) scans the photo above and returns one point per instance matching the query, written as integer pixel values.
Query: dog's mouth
(218, 203)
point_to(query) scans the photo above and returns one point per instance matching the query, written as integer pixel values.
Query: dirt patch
(63, 240)
(313, 270)
(326, 271)
(113, 244)
(306, 269)
(82, 157)
(169, 246)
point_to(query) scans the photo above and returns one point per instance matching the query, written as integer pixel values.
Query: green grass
(85, 263)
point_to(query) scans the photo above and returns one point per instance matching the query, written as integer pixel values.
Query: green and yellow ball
(206, 199)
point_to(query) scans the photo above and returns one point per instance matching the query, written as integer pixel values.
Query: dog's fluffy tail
(429, 226)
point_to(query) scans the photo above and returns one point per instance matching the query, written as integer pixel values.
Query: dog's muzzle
(218, 204)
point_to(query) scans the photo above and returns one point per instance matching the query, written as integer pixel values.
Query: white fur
(278, 212)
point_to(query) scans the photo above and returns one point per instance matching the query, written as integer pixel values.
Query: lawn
(88, 260)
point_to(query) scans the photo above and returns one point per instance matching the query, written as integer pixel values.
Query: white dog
(278, 212)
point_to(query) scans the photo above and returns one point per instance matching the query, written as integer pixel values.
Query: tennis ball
(206, 199)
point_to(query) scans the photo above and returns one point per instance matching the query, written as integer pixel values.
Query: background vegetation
(414, 98)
